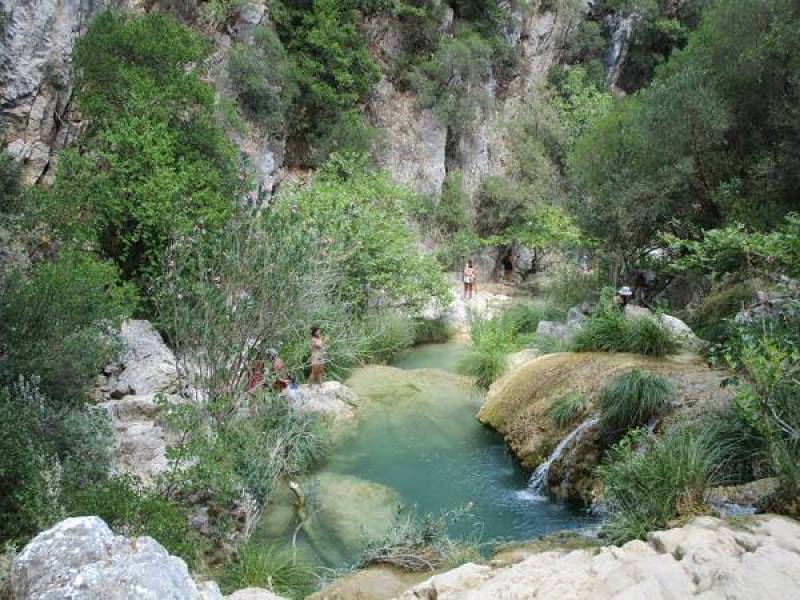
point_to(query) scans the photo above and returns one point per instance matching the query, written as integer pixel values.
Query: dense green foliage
(10, 176)
(493, 339)
(48, 452)
(361, 221)
(712, 140)
(57, 324)
(634, 398)
(648, 481)
(331, 65)
(154, 163)
(262, 79)
(451, 82)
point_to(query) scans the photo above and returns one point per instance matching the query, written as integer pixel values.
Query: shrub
(649, 481)
(523, 318)
(634, 398)
(568, 285)
(710, 319)
(453, 252)
(332, 66)
(649, 337)
(262, 78)
(432, 331)
(743, 449)
(269, 567)
(10, 178)
(361, 222)
(44, 449)
(566, 409)
(422, 544)
(349, 134)
(383, 334)
(451, 82)
(132, 510)
(58, 324)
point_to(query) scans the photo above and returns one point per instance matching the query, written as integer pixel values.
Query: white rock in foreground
(708, 559)
(81, 559)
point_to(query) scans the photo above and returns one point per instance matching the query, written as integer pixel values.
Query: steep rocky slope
(37, 116)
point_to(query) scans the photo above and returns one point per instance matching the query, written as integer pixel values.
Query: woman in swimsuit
(469, 280)
(317, 357)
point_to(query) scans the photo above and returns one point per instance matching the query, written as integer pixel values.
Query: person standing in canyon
(469, 280)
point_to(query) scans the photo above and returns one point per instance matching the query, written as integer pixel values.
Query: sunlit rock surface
(81, 559)
(707, 559)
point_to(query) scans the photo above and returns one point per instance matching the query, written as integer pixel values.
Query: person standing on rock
(317, 357)
(469, 280)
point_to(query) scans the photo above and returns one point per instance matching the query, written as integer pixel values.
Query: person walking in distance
(469, 280)
(317, 357)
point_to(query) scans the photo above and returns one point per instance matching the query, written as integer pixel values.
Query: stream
(416, 444)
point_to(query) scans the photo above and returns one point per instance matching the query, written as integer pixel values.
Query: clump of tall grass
(491, 341)
(383, 334)
(648, 481)
(269, 567)
(432, 331)
(566, 409)
(523, 319)
(609, 331)
(632, 399)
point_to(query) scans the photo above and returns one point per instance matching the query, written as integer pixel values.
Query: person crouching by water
(469, 280)
(317, 357)
(280, 377)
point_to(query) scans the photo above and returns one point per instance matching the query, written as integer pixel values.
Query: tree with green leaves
(154, 163)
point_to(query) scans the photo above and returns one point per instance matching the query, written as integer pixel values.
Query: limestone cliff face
(37, 117)
(36, 39)
(419, 150)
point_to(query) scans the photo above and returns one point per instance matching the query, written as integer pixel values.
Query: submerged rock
(706, 558)
(348, 512)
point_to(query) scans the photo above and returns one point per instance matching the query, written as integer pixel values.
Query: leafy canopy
(154, 163)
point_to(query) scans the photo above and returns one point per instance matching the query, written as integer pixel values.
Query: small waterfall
(539, 477)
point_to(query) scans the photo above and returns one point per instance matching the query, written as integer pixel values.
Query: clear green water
(417, 443)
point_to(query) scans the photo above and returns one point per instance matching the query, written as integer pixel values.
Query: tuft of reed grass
(566, 409)
(610, 331)
(432, 331)
(648, 481)
(269, 567)
(632, 399)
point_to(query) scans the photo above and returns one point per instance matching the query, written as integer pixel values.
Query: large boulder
(81, 559)
(148, 364)
(706, 558)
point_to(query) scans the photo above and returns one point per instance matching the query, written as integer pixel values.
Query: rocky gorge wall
(37, 116)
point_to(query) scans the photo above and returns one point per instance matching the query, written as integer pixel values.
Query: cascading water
(539, 477)
(621, 29)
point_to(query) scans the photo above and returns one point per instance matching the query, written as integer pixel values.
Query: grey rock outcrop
(148, 364)
(679, 330)
(707, 558)
(332, 399)
(148, 369)
(81, 559)
(36, 40)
